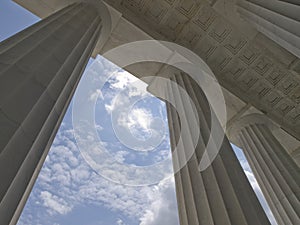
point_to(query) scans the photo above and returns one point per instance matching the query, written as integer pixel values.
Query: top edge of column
(106, 18)
(99, 5)
(248, 120)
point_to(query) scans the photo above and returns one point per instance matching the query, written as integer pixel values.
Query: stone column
(276, 172)
(221, 194)
(279, 20)
(40, 68)
(295, 2)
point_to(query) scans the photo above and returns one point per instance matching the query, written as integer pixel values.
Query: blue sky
(68, 189)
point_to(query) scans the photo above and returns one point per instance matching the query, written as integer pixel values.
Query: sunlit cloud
(54, 203)
(163, 208)
(66, 182)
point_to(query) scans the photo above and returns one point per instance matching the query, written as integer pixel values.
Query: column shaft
(40, 68)
(276, 172)
(189, 185)
(279, 20)
(221, 194)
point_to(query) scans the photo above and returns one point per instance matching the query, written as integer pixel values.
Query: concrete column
(279, 20)
(274, 169)
(40, 68)
(221, 194)
(294, 2)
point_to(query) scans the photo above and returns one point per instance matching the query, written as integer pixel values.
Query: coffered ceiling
(246, 63)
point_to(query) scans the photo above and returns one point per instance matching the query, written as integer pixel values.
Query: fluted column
(279, 20)
(40, 68)
(294, 2)
(276, 172)
(221, 194)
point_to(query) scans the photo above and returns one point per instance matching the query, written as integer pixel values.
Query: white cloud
(95, 95)
(120, 222)
(134, 123)
(65, 183)
(138, 121)
(140, 118)
(54, 203)
(122, 79)
(123, 88)
(163, 209)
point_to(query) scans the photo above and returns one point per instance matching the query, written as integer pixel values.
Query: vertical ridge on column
(51, 24)
(292, 168)
(276, 172)
(233, 202)
(39, 71)
(266, 187)
(229, 198)
(19, 69)
(201, 197)
(13, 40)
(278, 20)
(217, 204)
(212, 192)
(177, 174)
(185, 171)
(288, 186)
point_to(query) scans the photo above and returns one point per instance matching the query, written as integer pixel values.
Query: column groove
(40, 68)
(234, 199)
(278, 20)
(189, 196)
(255, 166)
(221, 194)
(212, 190)
(15, 39)
(276, 172)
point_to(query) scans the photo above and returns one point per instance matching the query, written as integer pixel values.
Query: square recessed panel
(262, 65)
(220, 31)
(219, 60)
(272, 98)
(288, 84)
(171, 2)
(295, 96)
(234, 70)
(247, 81)
(294, 116)
(249, 54)
(188, 7)
(156, 12)
(276, 75)
(235, 42)
(205, 48)
(284, 106)
(172, 25)
(261, 89)
(204, 18)
(135, 5)
(190, 36)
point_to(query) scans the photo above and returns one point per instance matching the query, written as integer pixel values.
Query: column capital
(106, 21)
(98, 4)
(248, 120)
